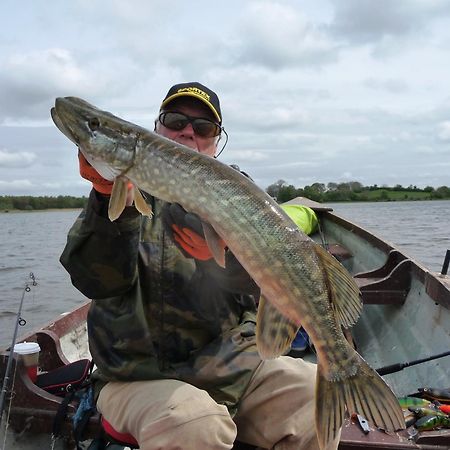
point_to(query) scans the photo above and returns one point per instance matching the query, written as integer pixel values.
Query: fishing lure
(445, 408)
(423, 411)
(428, 423)
(410, 418)
(413, 402)
(442, 395)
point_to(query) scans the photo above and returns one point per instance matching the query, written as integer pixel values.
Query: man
(171, 332)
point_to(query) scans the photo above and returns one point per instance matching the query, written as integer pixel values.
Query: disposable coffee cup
(28, 352)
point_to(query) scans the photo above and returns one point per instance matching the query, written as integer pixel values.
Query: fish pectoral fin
(140, 204)
(118, 199)
(345, 294)
(364, 393)
(274, 332)
(215, 243)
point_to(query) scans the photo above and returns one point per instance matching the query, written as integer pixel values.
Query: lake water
(421, 229)
(33, 242)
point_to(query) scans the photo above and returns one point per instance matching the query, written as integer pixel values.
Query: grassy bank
(343, 192)
(393, 196)
(355, 191)
(31, 203)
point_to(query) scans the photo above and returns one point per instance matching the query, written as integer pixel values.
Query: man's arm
(101, 255)
(233, 278)
(185, 230)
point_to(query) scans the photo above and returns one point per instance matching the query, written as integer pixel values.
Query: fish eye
(94, 123)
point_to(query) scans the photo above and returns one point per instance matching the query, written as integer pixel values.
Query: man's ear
(217, 145)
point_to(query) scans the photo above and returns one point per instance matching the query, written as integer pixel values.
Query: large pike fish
(301, 284)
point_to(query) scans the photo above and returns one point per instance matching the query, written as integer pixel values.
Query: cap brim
(192, 94)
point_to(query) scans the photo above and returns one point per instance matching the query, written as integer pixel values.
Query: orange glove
(192, 243)
(187, 232)
(89, 173)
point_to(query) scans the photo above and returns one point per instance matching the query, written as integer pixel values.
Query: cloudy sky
(311, 91)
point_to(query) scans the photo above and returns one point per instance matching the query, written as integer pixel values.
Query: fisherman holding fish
(172, 333)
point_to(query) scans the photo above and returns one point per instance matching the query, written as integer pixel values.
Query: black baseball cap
(198, 91)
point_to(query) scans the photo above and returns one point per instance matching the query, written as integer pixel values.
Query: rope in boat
(323, 236)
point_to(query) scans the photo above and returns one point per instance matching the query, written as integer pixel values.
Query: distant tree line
(281, 191)
(30, 203)
(355, 191)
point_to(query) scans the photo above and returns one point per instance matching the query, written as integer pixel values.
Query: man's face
(187, 136)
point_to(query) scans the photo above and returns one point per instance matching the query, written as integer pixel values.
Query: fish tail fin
(364, 393)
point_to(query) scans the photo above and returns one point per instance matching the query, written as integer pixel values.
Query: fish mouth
(68, 118)
(104, 169)
(61, 126)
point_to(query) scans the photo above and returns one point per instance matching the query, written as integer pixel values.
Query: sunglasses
(178, 121)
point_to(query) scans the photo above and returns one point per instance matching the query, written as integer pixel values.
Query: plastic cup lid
(26, 348)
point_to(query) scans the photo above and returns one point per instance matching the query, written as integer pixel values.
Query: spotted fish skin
(301, 284)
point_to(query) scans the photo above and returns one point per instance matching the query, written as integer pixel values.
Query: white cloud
(444, 131)
(277, 34)
(16, 185)
(368, 21)
(391, 85)
(247, 156)
(16, 159)
(30, 80)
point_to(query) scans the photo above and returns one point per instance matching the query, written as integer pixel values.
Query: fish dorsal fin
(274, 332)
(345, 294)
(215, 243)
(141, 205)
(118, 199)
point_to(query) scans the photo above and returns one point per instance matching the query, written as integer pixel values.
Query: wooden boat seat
(33, 408)
(339, 252)
(389, 284)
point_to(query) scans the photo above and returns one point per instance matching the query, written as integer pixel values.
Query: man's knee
(198, 410)
(282, 392)
(195, 422)
(168, 414)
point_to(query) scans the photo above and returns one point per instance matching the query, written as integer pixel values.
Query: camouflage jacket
(156, 314)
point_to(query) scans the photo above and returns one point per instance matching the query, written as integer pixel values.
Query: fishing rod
(19, 321)
(446, 263)
(393, 368)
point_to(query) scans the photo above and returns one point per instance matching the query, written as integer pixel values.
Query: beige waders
(276, 411)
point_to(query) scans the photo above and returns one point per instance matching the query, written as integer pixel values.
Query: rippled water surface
(34, 241)
(421, 229)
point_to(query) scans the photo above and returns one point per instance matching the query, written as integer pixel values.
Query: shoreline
(16, 211)
(19, 211)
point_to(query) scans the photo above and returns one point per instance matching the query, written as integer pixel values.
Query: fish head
(107, 141)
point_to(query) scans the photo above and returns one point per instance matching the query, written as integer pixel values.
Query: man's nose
(188, 130)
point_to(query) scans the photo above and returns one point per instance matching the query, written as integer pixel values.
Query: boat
(405, 319)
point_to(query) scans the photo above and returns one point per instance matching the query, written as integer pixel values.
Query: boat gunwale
(59, 327)
(437, 286)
